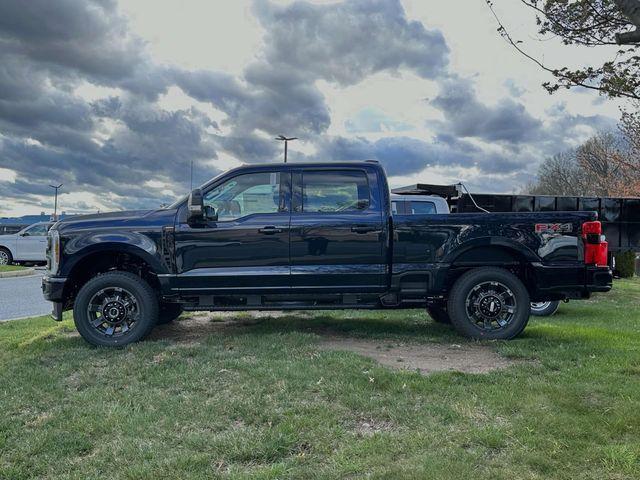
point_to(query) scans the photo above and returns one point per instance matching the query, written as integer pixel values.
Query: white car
(418, 205)
(28, 245)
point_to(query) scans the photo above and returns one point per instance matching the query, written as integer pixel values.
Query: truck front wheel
(489, 303)
(115, 309)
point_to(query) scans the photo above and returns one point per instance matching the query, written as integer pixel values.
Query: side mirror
(210, 213)
(195, 207)
(25, 234)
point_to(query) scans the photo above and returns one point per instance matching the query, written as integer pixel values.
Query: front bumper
(53, 291)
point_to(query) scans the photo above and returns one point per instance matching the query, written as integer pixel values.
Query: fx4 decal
(554, 227)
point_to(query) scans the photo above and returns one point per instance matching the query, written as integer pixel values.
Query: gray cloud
(114, 145)
(466, 116)
(347, 42)
(405, 156)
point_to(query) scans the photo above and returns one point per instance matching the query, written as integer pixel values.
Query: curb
(18, 273)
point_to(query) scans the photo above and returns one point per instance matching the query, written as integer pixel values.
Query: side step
(281, 302)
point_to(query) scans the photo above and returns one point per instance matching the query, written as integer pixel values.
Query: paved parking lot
(22, 297)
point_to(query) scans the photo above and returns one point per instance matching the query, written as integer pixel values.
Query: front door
(247, 247)
(32, 243)
(336, 232)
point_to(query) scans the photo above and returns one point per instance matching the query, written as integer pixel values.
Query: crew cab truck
(315, 236)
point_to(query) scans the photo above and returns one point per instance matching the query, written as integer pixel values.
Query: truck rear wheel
(489, 303)
(115, 309)
(439, 315)
(544, 309)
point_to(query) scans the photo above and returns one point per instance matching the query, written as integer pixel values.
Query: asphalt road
(22, 297)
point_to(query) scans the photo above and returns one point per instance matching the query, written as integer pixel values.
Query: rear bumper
(53, 290)
(599, 279)
(561, 282)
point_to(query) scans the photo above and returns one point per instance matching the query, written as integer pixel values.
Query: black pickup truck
(315, 236)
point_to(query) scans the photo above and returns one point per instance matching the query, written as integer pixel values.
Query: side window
(245, 195)
(394, 208)
(334, 191)
(424, 208)
(37, 230)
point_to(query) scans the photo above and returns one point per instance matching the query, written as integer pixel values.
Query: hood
(126, 218)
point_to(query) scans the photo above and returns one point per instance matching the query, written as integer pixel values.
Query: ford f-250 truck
(315, 236)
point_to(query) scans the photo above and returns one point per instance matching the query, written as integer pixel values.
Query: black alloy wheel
(489, 303)
(115, 309)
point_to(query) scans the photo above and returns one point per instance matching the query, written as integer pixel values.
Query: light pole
(55, 205)
(286, 141)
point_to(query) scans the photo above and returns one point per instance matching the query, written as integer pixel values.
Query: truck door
(247, 248)
(32, 243)
(336, 231)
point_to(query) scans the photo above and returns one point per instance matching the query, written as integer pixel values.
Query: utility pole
(55, 205)
(286, 141)
(191, 175)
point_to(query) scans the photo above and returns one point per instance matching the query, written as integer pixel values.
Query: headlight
(53, 251)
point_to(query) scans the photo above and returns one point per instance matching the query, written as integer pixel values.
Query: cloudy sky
(115, 99)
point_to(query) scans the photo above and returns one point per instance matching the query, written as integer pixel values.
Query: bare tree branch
(571, 77)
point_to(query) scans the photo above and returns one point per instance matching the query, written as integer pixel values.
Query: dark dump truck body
(315, 236)
(620, 217)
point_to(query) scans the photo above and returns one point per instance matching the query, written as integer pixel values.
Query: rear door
(336, 231)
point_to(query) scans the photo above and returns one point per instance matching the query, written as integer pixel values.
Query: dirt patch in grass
(426, 358)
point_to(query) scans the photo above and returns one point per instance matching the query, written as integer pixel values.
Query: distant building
(10, 225)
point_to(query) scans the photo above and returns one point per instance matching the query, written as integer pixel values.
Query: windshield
(184, 198)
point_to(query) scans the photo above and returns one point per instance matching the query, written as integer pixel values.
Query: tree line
(606, 165)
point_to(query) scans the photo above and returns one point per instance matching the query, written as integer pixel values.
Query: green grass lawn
(10, 268)
(263, 400)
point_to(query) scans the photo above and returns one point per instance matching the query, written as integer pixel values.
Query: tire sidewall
(548, 310)
(144, 295)
(458, 296)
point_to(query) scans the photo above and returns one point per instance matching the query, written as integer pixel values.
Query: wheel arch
(492, 252)
(490, 249)
(100, 258)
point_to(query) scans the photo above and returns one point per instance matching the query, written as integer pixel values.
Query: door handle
(270, 230)
(365, 229)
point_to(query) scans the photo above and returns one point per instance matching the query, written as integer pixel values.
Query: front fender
(77, 249)
(9, 245)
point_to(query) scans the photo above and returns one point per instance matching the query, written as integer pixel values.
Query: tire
(168, 313)
(489, 303)
(439, 315)
(126, 304)
(544, 309)
(5, 256)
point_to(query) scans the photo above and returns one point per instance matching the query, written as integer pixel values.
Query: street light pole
(55, 205)
(286, 141)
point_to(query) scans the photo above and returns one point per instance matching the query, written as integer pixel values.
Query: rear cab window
(333, 191)
(422, 208)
